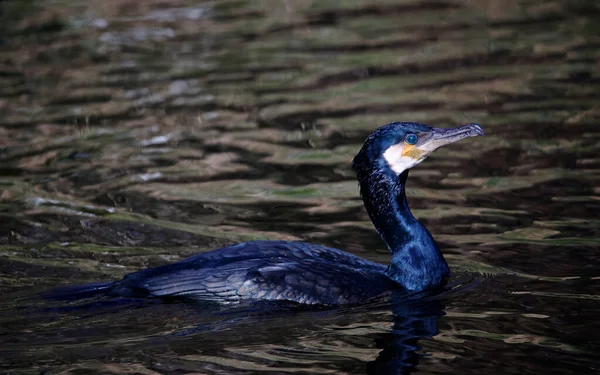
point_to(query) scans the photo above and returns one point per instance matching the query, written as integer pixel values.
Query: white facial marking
(398, 163)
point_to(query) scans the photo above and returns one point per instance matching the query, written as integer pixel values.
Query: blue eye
(411, 139)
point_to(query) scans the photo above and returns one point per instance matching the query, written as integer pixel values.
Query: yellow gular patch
(412, 152)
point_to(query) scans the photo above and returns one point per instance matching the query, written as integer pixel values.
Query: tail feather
(71, 293)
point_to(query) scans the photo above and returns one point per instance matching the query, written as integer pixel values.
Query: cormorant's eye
(411, 139)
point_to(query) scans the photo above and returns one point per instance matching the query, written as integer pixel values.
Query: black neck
(416, 263)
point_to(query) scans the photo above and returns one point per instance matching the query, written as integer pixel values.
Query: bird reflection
(413, 320)
(212, 326)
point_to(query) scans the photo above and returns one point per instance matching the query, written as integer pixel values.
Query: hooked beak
(442, 136)
(404, 156)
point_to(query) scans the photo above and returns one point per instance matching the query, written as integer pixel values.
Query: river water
(137, 133)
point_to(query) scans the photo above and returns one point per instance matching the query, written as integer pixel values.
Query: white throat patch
(398, 162)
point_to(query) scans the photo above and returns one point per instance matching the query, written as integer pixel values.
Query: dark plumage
(309, 273)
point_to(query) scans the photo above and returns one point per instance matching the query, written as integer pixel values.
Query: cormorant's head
(402, 145)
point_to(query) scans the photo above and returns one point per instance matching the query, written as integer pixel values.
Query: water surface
(137, 133)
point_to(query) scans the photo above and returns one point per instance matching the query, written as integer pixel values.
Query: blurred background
(135, 133)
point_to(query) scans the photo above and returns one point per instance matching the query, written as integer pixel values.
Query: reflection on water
(251, 334)
(412, 322)
(138, 133)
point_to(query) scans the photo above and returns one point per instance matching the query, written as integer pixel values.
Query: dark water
(137, 133)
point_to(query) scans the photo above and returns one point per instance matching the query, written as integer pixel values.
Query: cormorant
(308, 273)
